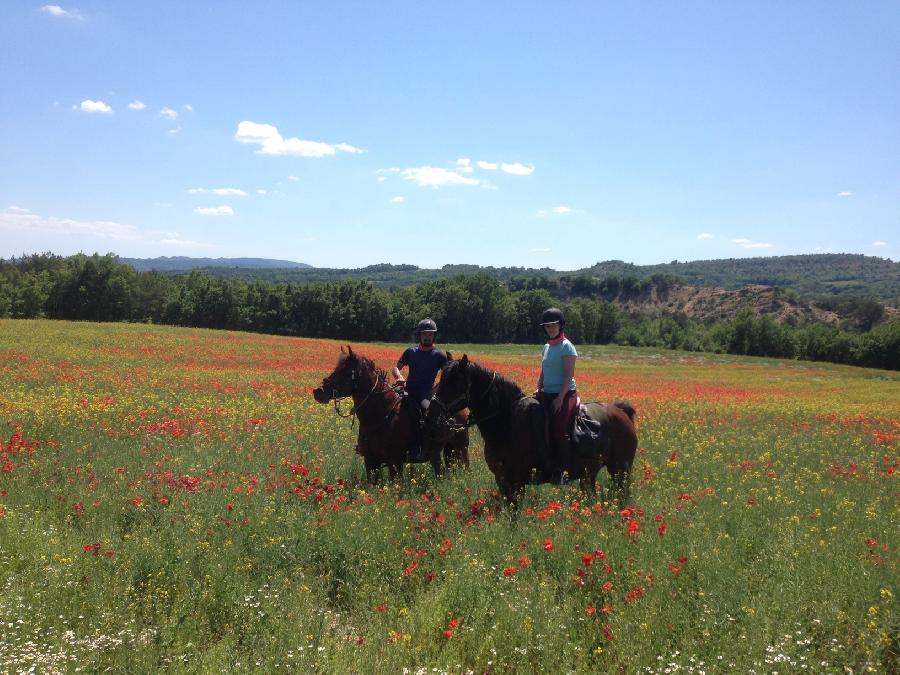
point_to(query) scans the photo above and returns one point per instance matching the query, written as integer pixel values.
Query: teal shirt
(552, 365)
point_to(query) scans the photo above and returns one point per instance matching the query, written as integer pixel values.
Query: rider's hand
(401, 380)
(557, 404)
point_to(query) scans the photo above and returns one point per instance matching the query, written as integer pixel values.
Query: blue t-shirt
(552, 365)
(423, 369)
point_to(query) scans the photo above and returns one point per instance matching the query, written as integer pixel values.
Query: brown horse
(386, 430)
(513, 426)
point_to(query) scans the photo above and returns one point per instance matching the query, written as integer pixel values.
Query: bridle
(447, 409)
(336, 397)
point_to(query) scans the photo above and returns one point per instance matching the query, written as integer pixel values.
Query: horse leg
(436, 461)
(395, 471)
(588, 484)
(621, 478)
(372, 468)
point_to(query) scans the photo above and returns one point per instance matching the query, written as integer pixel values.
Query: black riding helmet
(425, 326)
(553, 315)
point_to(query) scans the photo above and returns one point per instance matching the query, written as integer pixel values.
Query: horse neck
(369, 398)
(490, 400)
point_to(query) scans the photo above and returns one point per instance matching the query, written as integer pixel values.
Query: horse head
(452, 394)
(343, 380)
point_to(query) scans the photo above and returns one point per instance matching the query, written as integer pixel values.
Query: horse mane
(365, 364)
(497, 395)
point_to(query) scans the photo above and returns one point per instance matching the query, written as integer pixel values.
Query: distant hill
(816, 276)
(185, 264)
(808, 275)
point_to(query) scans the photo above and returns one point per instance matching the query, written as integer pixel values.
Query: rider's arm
(400, 363)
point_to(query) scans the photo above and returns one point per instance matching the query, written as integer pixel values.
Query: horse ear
(350, 350)
(342, 349)
(449, 356)
(465, 359)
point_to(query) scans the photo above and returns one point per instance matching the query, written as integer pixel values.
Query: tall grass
(176, 499)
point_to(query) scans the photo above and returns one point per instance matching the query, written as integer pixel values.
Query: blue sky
(533, 134)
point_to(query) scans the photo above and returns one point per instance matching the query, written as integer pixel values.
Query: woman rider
(556, 387)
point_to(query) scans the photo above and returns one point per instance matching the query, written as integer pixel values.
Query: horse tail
(626, 407)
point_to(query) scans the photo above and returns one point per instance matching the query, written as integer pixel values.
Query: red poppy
(509, 571)
(548, 544)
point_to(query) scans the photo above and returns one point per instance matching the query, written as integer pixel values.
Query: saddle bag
(589, 436)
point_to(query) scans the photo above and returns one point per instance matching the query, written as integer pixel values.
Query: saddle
(589, 432)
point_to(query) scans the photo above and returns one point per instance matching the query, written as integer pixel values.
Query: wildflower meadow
(175, 499)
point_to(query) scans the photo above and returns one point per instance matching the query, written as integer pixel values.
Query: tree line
(469, 308)
(820, 276)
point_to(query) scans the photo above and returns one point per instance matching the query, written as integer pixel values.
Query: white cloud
(748, 243)
(16, 218)
(879, 243)
(261, 192)
(172, 132)
(464, 165)
(90, 106)
(487, 166)
(518, 169)
(432, 176)
(559, 210)
(381, 179)
(704, 235)
(346, 147)
(398, 200)
(189, 107)
(185, 243)
(215, 211)
(168, 113)
(293, 178)
(222, 192)
(56, 10)
(272, 143)
(845, 194)
(137, 105)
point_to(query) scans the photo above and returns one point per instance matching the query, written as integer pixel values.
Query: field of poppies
(175, 498)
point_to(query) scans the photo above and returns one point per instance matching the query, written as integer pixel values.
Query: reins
(354, 410)
(446, 408)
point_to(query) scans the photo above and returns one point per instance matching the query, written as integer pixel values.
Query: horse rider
(424, 360)
(556, 388)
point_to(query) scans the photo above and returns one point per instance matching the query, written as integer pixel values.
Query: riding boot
(563, 454)
(416, 452)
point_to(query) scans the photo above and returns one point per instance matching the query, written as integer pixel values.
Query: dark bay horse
(385, 426)
(513, 427)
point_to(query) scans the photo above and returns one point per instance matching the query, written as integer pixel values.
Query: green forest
(824, 277)
(469, 308)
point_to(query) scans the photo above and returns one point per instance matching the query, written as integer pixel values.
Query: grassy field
(175, 499)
